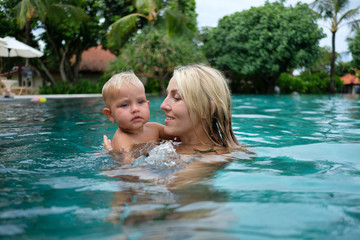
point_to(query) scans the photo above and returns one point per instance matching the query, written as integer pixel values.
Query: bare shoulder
(121, 140)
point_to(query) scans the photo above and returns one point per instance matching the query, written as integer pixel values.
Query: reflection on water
(297, 178)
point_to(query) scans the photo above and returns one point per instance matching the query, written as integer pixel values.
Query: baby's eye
(141, 102)
(124, 105)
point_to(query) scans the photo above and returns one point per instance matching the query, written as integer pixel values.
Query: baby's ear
(148, 101)
(107, 112)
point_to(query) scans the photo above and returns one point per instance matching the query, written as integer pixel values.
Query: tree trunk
(162, 85)
(76, 67)
(53, 44)
(28, 38)
(269, 84)
(46, 73)
(62, 65)
(162, 76)
(332, 65)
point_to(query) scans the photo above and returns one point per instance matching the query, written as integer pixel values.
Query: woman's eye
(177, 98)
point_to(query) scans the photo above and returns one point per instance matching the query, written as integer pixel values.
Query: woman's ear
(107, 112)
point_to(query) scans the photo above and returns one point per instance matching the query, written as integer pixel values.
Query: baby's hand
(107, 143)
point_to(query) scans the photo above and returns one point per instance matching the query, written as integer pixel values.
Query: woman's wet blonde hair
(206, 94)
(116, 82)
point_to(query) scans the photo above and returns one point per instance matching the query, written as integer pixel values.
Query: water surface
(298, 179)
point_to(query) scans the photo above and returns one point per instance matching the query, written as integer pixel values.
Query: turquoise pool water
(298, 179)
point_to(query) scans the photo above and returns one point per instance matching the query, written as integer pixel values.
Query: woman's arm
(162, 135)
(195, 172)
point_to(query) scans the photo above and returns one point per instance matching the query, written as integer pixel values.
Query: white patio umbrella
(2, 42)
(15, 48)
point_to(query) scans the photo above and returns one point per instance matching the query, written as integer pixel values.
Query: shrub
(83, 86)
(289, 84)
(315, 83)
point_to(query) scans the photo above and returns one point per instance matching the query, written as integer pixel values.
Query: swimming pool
(299, 179)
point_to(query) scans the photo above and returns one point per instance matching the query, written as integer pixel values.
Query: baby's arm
(121, 141)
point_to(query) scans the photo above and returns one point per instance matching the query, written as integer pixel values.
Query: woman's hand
(107, 143)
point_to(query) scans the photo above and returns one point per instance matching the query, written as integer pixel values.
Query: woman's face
(178, 122)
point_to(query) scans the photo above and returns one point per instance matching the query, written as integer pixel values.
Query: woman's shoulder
(200, 149)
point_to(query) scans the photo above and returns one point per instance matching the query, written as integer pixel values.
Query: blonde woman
(198, 110)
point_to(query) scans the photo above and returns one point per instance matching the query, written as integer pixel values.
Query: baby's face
(129, 107)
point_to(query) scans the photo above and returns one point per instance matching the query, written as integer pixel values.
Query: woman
(198, 110)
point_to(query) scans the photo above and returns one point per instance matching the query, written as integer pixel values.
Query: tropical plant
(343, 68)
(82, 86)
(154, 55)
(52, 15)
(257, 45)
(354, 46)
(8, 27)
(322, 63)
(336, 12)
(316, 83)
(172, 15)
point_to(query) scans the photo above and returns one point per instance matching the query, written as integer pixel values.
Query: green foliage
(187, 8)
(262, 42)
(9, 27)
(68, 27)
(322, 63)
(109, 11)
(83, 86)
(289, 84)
(8, 24)
(152, 86)
(307, 83)
(336, 13)
(175, 17)
(343, 68)
(354, 46)
(67, 37)
(154, 55)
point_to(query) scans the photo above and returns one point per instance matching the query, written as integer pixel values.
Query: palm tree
(49, 12)
(173, 20)
(334, 11)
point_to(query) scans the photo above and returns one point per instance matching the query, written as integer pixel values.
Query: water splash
(161, 156)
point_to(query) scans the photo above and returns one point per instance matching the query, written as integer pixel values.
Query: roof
(350, 79)
(96, 59)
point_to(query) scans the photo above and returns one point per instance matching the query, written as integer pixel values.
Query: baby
(126, 104)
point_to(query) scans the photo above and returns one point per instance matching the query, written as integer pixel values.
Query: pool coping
(58, 96)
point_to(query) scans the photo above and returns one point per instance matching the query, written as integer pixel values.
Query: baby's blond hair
(117, 81)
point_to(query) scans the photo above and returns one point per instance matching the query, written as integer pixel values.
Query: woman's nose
(165, 106)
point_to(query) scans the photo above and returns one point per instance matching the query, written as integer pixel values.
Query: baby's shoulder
(121, 140)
